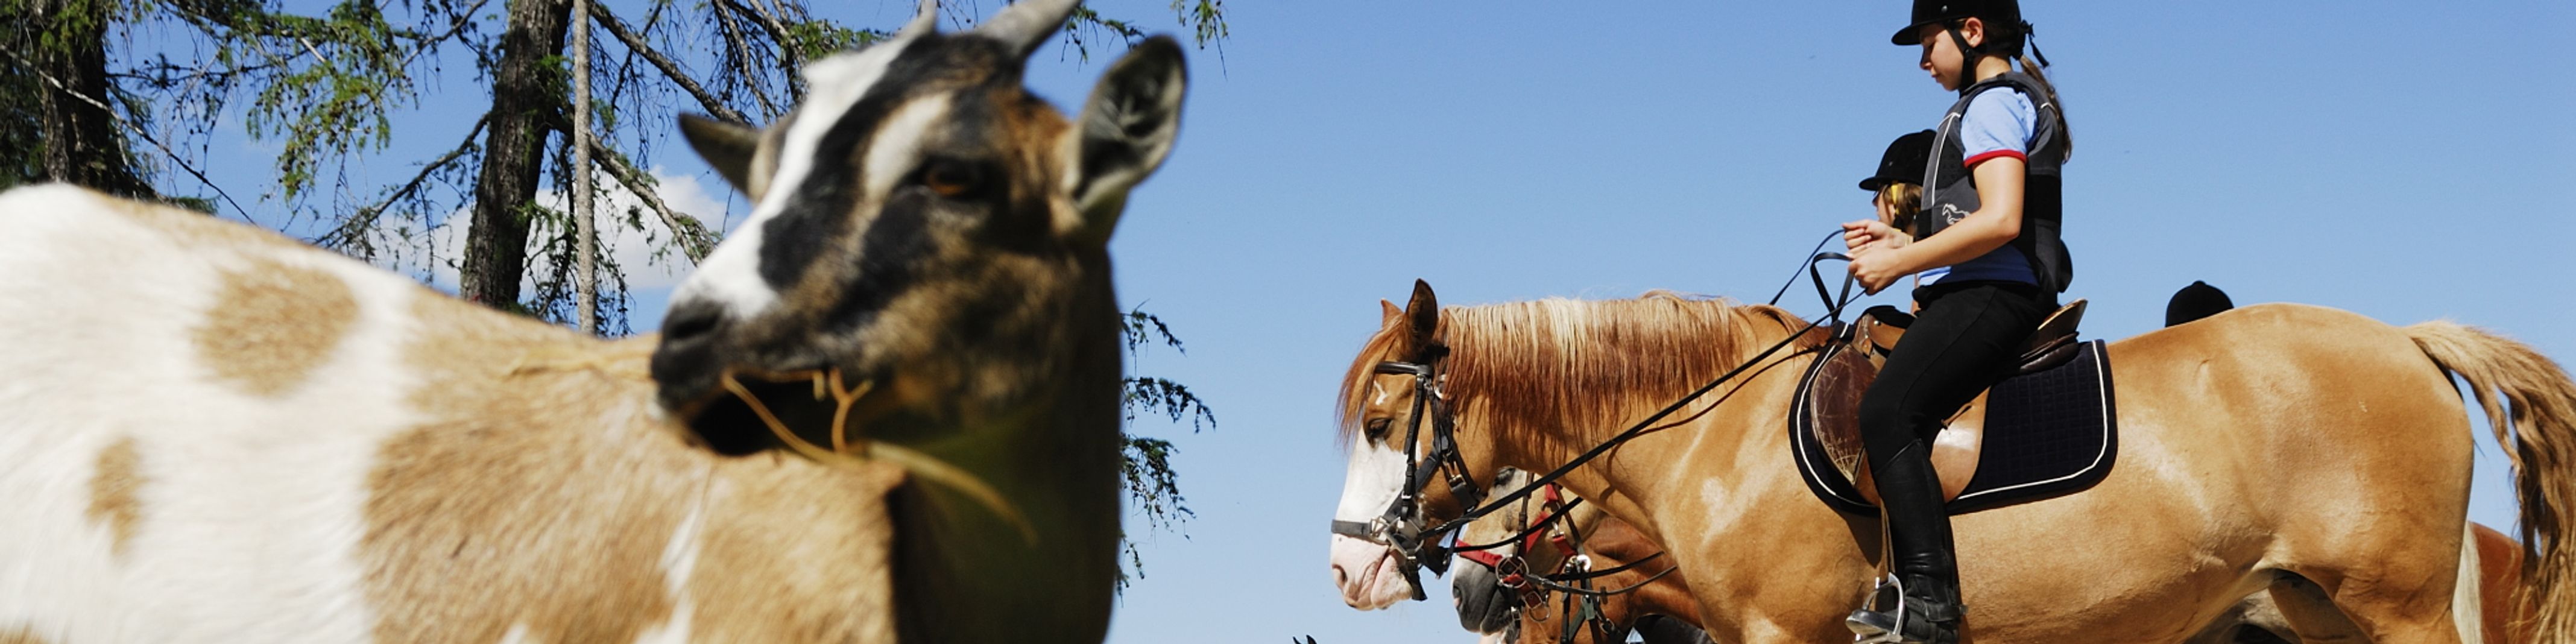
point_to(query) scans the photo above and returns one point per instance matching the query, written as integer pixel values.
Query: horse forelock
(1354, 397)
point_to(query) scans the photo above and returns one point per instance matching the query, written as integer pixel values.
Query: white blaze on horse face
(1369, 574)
(730, 276)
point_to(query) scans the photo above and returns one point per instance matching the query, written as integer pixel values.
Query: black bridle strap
(1605, 572)
(1524, 534)
(1834, 313)
(1551, 584)
(1623, 437)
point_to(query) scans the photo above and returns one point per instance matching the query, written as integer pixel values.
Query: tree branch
(464, 19)
(670, 69)
(739, 53)
(693, 238)
(358, 223)
(789, 56)
(137, 130)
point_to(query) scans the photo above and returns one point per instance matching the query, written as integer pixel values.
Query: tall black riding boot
(1926, 566)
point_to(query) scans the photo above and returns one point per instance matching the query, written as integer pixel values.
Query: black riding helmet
(2004, 29)
(1903, 162)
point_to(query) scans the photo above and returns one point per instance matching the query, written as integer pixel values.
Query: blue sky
(2404, 161)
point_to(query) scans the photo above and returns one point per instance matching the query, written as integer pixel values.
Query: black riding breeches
(1965, 339)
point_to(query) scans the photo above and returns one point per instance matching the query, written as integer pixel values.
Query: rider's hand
(1858, 235)
(1876, 270)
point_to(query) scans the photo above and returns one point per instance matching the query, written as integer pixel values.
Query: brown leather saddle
(2045, 430)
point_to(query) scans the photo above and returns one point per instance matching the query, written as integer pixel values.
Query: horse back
(2301, 413)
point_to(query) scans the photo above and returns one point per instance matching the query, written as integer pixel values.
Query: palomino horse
(1491, 606)
(2315, 452)
(214, 434)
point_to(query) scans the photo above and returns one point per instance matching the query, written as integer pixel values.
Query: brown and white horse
(2320, 454)
(211, 433)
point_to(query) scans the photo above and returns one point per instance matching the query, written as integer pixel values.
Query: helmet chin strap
(1968, 56)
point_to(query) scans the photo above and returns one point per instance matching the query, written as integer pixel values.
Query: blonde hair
(1906, 198)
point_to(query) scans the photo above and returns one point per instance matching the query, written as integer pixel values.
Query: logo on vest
(1951, 214)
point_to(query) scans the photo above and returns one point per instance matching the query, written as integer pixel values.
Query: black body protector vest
(1950, 193)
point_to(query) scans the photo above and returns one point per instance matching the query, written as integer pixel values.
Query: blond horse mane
(1543, 363)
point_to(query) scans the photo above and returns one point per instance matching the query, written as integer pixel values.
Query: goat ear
(1026, 24)
(730, 147)
(1424, 310)
(1122, 135)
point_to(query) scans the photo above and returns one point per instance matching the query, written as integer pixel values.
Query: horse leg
(2385, 608)
(2312, 614)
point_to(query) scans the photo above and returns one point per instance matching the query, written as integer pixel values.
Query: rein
(1834, 313)
(1400, 527)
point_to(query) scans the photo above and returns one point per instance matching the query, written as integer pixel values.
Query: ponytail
(2065, 132)
(2009, 37)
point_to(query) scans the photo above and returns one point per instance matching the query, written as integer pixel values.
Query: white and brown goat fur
(210, 433)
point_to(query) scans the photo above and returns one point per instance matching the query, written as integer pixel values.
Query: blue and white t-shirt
(1999, 123)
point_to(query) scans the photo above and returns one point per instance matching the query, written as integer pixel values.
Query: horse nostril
(690, 321)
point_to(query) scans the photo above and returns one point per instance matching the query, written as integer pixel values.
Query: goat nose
(691, 321)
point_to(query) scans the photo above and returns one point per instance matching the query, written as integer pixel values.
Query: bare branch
(693, 238)
(789, 56)
(357, 224)
(791, 53)
(670, 69)
(740, 55)
(464, 19)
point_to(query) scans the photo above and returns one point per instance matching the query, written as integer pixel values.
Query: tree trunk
(82, 144)
(526, 97)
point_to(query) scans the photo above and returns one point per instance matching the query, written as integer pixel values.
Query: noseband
(1401, 528)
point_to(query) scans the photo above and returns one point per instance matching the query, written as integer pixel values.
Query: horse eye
(1377, 426)
(952, 178)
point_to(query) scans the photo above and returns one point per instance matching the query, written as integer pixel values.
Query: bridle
(1573, 576)
(1400, 527)
(1512, 570)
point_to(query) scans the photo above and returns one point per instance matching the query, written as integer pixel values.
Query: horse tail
(2467, 612)
(2531, 405)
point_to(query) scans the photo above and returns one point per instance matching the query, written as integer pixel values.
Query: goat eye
(952, 178)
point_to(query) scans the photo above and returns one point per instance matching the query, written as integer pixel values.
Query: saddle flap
(2053, 342)
(1954, 455)
(2030, 436)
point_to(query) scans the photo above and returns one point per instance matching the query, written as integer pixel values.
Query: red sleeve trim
(1982, 158)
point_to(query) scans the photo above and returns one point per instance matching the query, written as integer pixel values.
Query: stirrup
(1882, 619)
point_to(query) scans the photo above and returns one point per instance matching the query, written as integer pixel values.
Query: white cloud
(416, 249)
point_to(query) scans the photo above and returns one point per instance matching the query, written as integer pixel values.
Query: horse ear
(1387, 313)
(1425, 311)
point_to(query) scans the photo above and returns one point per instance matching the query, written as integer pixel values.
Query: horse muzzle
(1485, 605)
(1370, 575)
